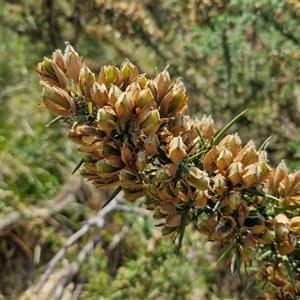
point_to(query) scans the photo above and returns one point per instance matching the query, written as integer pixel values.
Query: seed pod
(255, 224)
(163, 175)
(234, 199)
(110, 75)
(197, 178)
(59, 60)
(57, 100)
(180, 125)
(86, 81)
(248, 155)
(177, 150)
(106, 119)
(149, 121)
(143, 99)
(232, 142)
(73, 63)
(281, 226)
(234, 173)
(51, 73)
(109, 166)
(167, 208)
(267, 237)
(209, 161)
(200, 198)
(220, 184)
(224, 159)
(133, 194)
(207, 127)
(151, 144)
(175, 102)
(127, 154)
(162, 84)
(294, 225)
(129, 178)
(207, 227)
(114, 94)
(141, 160)
(129, 71)
(124, 106)
(287, 245)
(174, 221)
(99, 94)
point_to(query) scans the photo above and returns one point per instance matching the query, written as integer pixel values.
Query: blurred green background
(231, 55)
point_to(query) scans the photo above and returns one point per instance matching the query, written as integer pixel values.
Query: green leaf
(220, 135)
(182, 228)
(113, 195)
(289, 270)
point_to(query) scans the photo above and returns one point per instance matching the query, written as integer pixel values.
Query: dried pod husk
(91, 147)
(59, 60)
(210, 159)
(173, 220)
(73, 63)
(84, 134)
(50, 72)
(224, 159)
(248, 155)
(281, 226)
(99, 94)
(151, 144)
(58, 100)
(162, 84)
(110, 75)
(133, 194)
(175, 102)
(290, 185)
(197, 178)
(140, 160)
(207, 127)
(127, 154)
(255, 224)
(232, 142)
(168, 230)
(129, 71)
(177, 150)
(279, 173)
(234, 173)
(255, 173)
(234, 199)
(129, 178)
(267, 237)
(200, 197)
(114, 94)
(166, 192)
(143, 99)
(149, 121)
(107, 119)
(247, 248)
(294, 225)
(287, 245)
(180, 125)
(207, 227)
(220, 184)
(167, 208)
(124, 106)
(86, 81)
(106, 182)
(225, 227)
(109, 166)
(164, 174)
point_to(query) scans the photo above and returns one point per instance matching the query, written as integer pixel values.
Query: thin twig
(98, 220)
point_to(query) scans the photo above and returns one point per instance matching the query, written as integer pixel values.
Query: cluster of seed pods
(135, 133)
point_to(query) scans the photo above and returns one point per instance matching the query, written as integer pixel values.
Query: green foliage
(231, 55)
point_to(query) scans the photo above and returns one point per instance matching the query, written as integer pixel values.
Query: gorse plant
(135, 133)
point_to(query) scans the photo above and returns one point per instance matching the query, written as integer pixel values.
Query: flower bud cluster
(135, 133)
